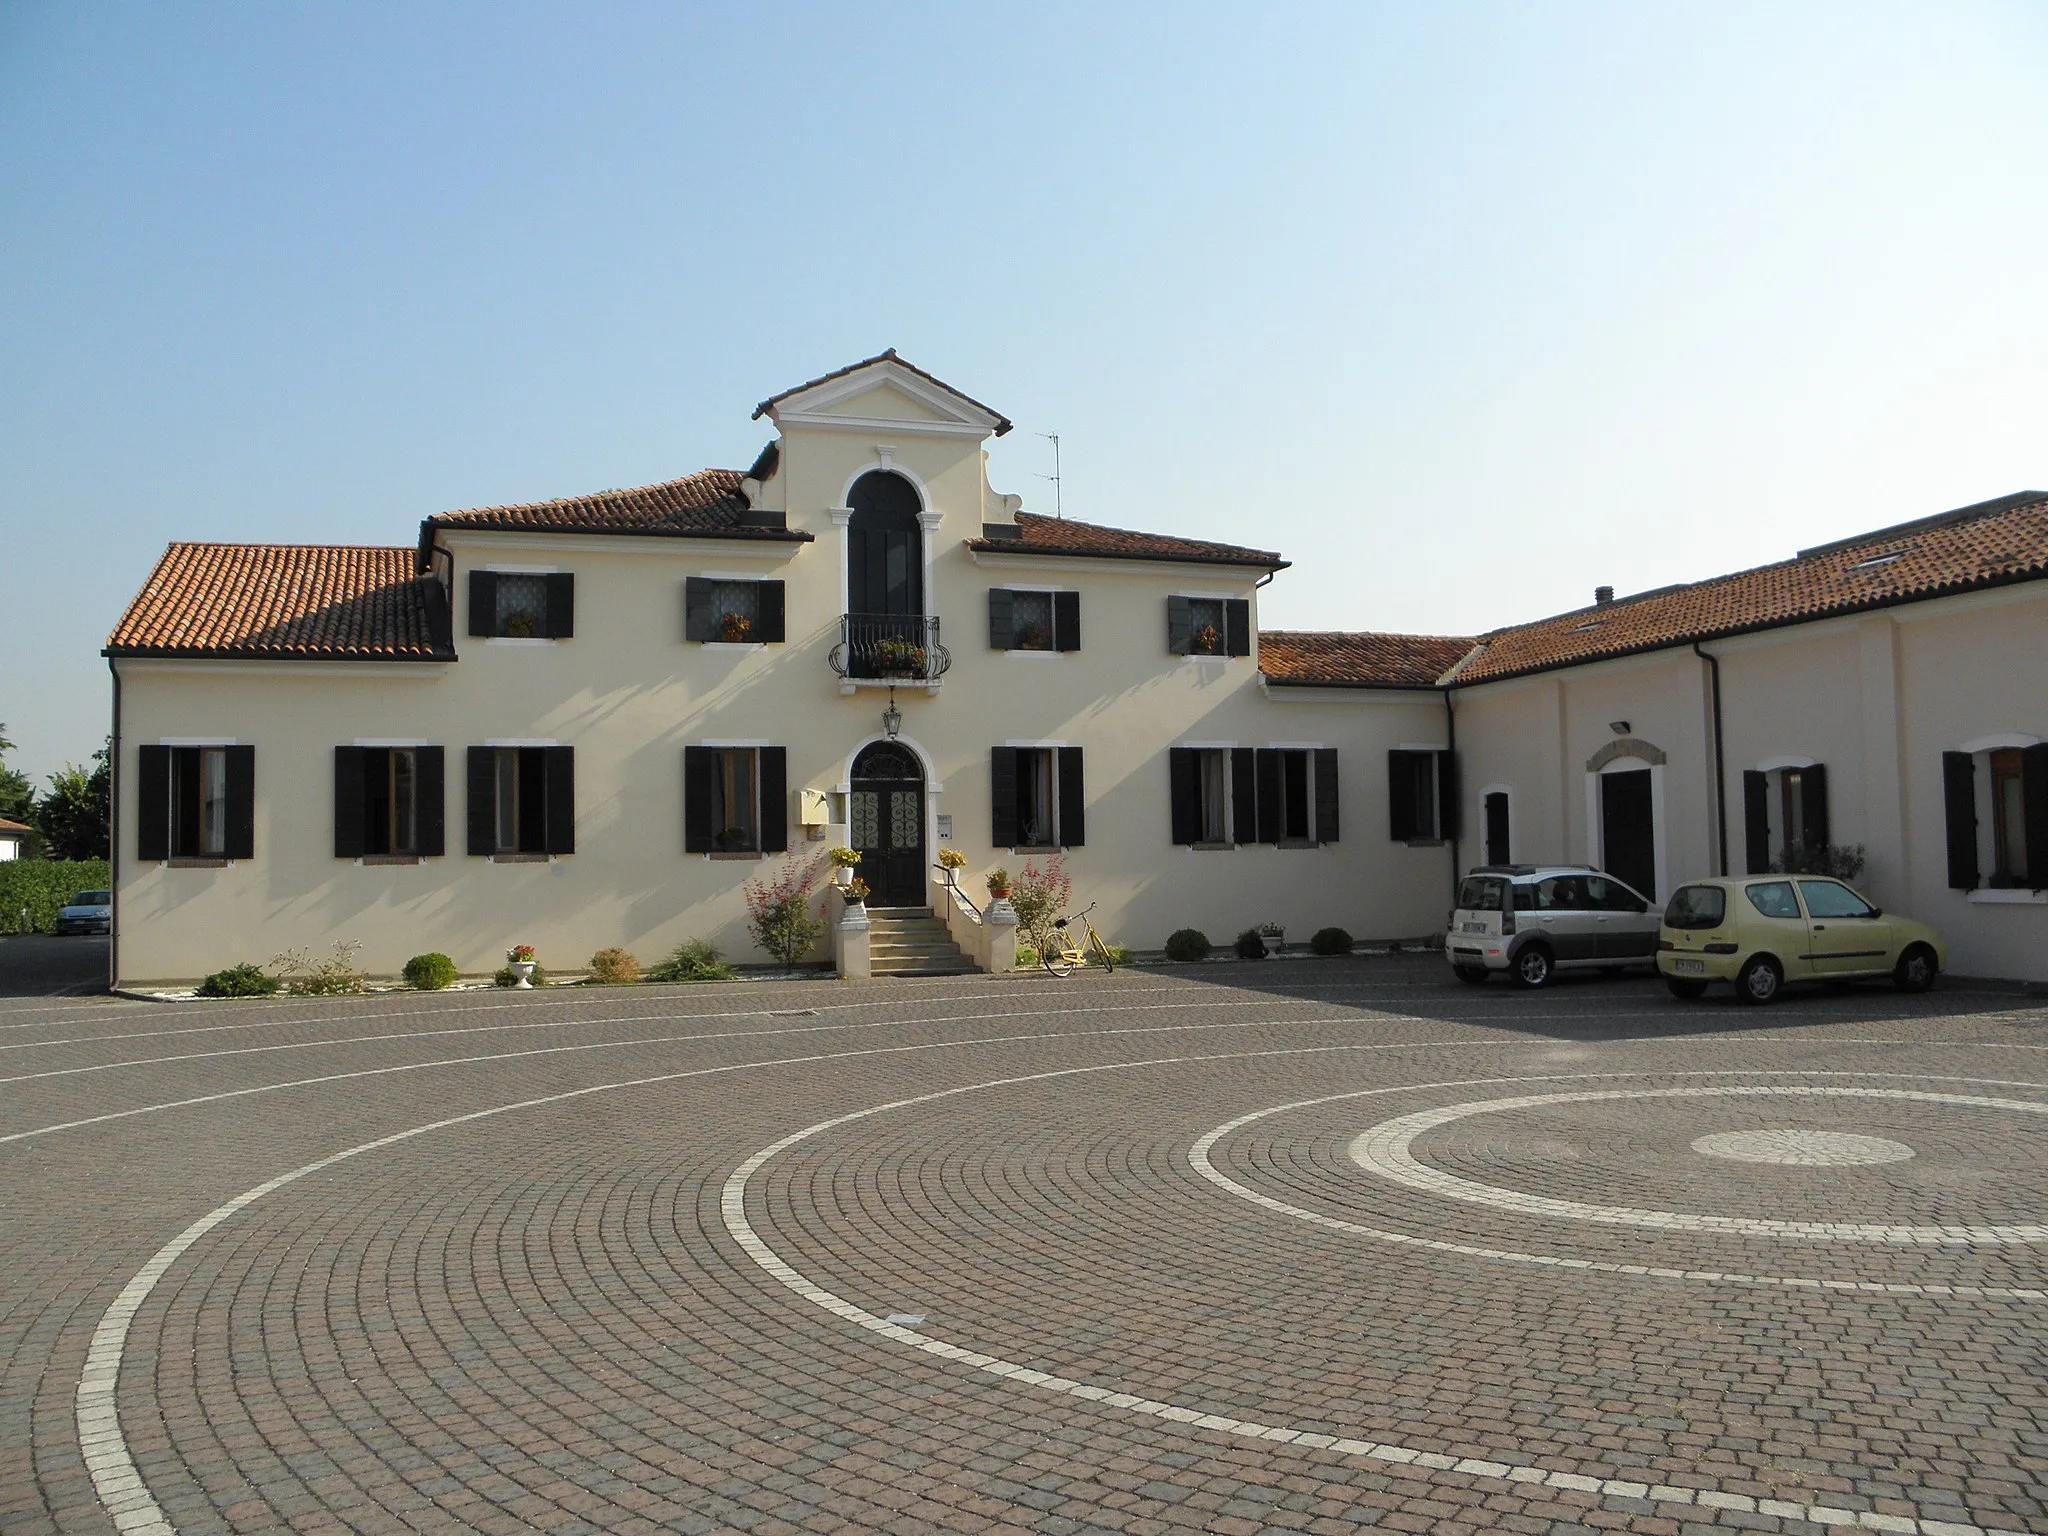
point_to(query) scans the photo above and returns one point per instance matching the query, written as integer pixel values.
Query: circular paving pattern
(1802, 1149)
(1008, 1257)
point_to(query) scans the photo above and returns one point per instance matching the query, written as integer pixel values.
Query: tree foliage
(779, 910)
(17, 794)
(74, 816)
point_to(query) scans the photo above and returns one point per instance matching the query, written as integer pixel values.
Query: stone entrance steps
(909, 941)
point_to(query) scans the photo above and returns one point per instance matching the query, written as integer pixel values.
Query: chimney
(1602, 596)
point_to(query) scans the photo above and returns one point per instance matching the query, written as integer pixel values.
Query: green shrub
(1188, 944)
(1250, 946)
(693, 960)
(1026, 957)
(505, 978)
(336, 976)
(239, 981)
(44, 885)
(429, 972)
(614, 968)
(1331, 941)
(1118, 955)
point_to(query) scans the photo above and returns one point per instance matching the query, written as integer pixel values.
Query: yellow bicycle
(1065, 952)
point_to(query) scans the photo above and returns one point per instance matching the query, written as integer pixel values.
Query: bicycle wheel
(1059, 961)
(1101, 949)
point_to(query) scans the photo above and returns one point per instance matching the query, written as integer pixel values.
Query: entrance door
(886, 823)
(1627, 835)
(1496, 828)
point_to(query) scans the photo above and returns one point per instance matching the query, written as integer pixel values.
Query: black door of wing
(885, 817)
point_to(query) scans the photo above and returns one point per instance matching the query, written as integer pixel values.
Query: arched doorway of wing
(885, 823)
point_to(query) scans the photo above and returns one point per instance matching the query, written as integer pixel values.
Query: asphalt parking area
(1317, 1246)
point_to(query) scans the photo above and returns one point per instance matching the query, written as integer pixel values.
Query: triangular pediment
(883, 392)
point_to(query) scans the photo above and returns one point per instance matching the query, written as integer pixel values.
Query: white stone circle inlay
(1803, 1149)
(1387, 1149)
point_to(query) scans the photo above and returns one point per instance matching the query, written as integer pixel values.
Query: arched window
(885, 547)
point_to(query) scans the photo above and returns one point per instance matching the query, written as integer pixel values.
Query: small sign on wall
(945, 828)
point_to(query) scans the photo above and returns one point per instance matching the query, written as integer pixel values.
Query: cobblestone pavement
(1308, 1246)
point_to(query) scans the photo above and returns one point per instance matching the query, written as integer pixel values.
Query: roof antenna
(1058, 499)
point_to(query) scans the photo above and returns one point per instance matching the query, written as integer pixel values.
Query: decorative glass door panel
(885, 814)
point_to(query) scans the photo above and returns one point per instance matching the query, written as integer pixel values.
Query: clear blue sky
(1465, 308)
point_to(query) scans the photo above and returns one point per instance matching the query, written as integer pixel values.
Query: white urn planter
(522, 975)
(1273, 941)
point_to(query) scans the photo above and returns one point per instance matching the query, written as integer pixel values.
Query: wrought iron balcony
(889, 647)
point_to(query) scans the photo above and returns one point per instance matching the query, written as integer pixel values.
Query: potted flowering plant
(1273, 936)
(843, 860)
(855, 891)
(999, 884)
(898, 657)
(733, 628)
(952, 861)
(520, 958)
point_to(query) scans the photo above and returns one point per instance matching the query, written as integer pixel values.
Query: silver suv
(1534, 920)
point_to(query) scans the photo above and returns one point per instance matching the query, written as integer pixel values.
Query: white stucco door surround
(1628, 754)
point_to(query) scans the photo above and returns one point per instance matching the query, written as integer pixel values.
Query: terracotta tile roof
(304, 602)
(1039, 535)
(1326, 659)
(1989, 544)
(708, 504)
(11, 829)
(1003, 423)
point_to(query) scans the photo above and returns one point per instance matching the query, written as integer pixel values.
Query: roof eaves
(1728, 632)
(1264, 561)
(887, 355)
(768, 535)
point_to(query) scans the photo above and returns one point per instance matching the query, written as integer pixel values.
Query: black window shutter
(240, 842)
(483, 801)
(1180, 626)
(1244, 795)
(1448, 798)
(1237, 627)
(699, 764)
(483, 602)
(561, 615)
(1326, 794)
(2034, 807)
(561, 780)
(699, 617)
(1066, 621)
(1268, 775)
(1002, 797)
(774, 799)
(348, 801)
(1756, 821)
(1184, 786)
(1402, 820)
(1002, 629)
(152, 803)
(1959, 800)
(1813, 793)
(772, 625)
(430, 800)
(1073, 807)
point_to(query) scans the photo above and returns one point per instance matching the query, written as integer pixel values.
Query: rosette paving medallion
(1312, 1247)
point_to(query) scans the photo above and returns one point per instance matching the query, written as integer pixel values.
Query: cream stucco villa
(587, 722)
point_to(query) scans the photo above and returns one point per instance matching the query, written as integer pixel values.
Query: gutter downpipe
(1720, 766)
(113, 837)
(1458, 781)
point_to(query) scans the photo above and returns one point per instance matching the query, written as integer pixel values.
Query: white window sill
(520, 640)
(724, 853)
(1213, 847)
(388, 858)
(1200, 658)
(1988, 896)
(1034, 654)
(732, 645)
(206, 861)
(522, 858)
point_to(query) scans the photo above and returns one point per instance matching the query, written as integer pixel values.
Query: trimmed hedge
(614, 968)
(44, 885)
(1250, 945)
(429, 972)
(239, 981)
(1188, 944)
(1331, 941)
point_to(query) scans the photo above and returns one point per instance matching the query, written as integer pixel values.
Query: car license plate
(1472, 928)
(1689, 967)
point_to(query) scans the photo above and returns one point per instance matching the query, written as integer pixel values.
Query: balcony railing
(890, 646)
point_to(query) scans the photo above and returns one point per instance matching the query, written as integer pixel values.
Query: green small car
(1763, 931)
